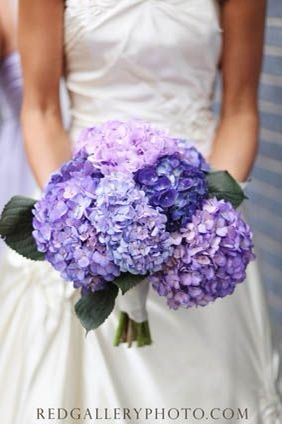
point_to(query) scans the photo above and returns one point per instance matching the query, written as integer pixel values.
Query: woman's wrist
(235, 145)
(47, 144)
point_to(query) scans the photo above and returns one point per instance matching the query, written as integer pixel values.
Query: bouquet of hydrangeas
(135, 207)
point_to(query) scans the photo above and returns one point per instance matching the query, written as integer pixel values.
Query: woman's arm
(1, 40)
(41, 47)
(235, 144)
(8, 36)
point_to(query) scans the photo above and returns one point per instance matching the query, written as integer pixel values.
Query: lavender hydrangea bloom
(63, 231)
(134, 232)
(175, 187)
(191, 155)
(211, 257)
(124, 146)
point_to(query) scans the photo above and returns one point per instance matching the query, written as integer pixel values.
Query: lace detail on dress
(82, 14)
(190, 120)
(85, 10)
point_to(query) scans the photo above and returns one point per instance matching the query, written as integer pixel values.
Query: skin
(235, 142)
(41, 48)
(8, 35)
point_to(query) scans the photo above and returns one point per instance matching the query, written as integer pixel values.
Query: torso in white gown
(155, 60)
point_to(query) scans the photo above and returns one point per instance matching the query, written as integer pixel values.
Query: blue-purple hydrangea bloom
(63, 231)
(134, 232)
(210, 257)
(191, 155)
(175, 187)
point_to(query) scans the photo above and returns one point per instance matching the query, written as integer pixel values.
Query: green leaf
(223, 186)
(16, 227)
(127, 281)
(94, 308)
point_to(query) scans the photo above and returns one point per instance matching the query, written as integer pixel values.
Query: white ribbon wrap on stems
(243, 185)
(133, 302)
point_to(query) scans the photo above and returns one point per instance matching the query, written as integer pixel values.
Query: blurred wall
(265, 190)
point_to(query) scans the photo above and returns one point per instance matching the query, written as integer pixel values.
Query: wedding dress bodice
(154, 60)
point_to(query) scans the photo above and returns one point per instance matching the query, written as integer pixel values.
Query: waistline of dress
(198, 130)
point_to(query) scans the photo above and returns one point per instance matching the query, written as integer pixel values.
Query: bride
(157, 61)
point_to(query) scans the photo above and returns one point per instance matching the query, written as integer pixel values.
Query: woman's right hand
(41, 48)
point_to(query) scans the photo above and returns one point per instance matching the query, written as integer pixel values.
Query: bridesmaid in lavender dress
(15, 176)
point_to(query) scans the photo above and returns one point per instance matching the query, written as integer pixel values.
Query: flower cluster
(175, 186)
(124, 146)
(134, 200)
(63, 231)
(210, 258)
(134, 232)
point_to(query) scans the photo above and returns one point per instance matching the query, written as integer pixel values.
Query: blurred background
(266, 187)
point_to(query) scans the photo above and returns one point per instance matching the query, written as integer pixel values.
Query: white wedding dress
(155, 60)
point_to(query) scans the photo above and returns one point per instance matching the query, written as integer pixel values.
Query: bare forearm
(46, 142)
(235, 144)
(243, 34)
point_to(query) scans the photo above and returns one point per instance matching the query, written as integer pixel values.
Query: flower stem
(148, 339)
(120, 328)
(129, 331)
(139, 335)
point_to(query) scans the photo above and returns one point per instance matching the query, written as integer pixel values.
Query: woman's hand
(235, 143)
(41, 48)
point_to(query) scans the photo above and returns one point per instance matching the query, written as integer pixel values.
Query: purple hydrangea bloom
(63, 231)
(191, 155)
(134, 232)
(124, 146)
(175, 187)
(210, 258)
